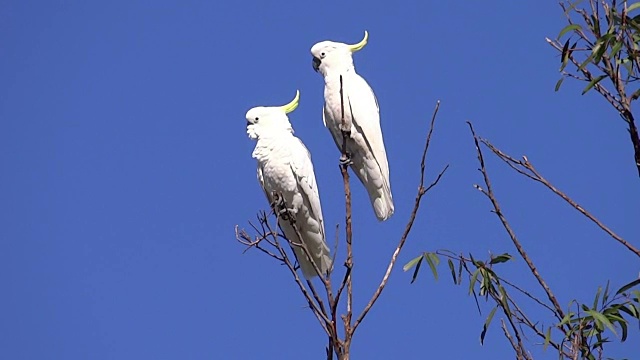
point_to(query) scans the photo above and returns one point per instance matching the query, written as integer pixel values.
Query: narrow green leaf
(592, 83)
(486, 325)
(416, 270)
(633, 7)
(623, 326)
(453, 271)
(600, 48)
(484, 287)
(547, 338)
(635, 95)
(459, 272)
(474, 278)
(559, 83)
(599, 317)
(615, 49)
(596, 24)
(504, 299)
(433, 261)
(595, 301)
(564, 56)
(569, 28)
(412, 263)
(501, 258)
(586, 62)
(605, 295)
(630, 310)
(631, 284)
(566, 319)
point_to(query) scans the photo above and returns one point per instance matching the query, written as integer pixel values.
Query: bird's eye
(256, 119)
(322, 54)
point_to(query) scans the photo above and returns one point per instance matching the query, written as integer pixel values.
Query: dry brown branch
(526, 168)
(559, 313)
(515, 347)
(320, 314)
(421, 192)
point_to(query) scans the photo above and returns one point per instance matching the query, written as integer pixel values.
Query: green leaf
(453, 271)
(586, 62)
(559, 83)
(547, 338)
(459, 272)
(504, 299)
(569, 28)
(486, 283)
(630, 310)
(592, 83)
(564, 56)
(566, 319)
(433, 261)
(501, 258)
(595, 301)
(486, 325)
(600, 48)
(605, 295)
(599, 317)
(415, 262)
(474, 278)
(412, 263)
(623, 326)
(631, 284)
(633, 7)
(615, 48)
(596, 24)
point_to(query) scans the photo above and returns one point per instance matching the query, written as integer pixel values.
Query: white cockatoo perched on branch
(348, 96)
(285, 168)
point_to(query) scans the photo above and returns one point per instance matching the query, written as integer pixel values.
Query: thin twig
(515, 347)
(532, 173)
(421, 191)
(496, 206)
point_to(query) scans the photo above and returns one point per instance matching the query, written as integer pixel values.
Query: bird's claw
(286, 214)
(345, 160)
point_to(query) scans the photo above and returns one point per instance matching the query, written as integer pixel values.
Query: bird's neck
(332, 75)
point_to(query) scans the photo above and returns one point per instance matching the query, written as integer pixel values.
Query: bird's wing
(334, 130)
(365, 115)
(262, 185)
(302, 168)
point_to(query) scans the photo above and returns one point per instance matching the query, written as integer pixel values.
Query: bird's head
(263, 120)
(330, 55)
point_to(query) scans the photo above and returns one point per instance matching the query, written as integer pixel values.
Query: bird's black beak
(316, 63)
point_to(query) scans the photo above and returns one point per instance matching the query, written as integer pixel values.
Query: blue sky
(126, 165)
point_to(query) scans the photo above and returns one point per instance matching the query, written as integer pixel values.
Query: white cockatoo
(348, 96)
(285, 168)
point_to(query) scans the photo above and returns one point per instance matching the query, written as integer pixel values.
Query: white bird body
(365, 144)
(285, 167)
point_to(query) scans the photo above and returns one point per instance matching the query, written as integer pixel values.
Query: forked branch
(422, 190)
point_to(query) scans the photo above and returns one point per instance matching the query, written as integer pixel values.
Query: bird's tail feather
(382, 203)
(323, 262)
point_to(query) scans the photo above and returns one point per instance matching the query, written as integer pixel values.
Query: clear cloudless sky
(125, 165)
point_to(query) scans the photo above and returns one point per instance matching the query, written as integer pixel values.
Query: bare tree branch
(421, 192)
(559, 313)
(527, 169)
